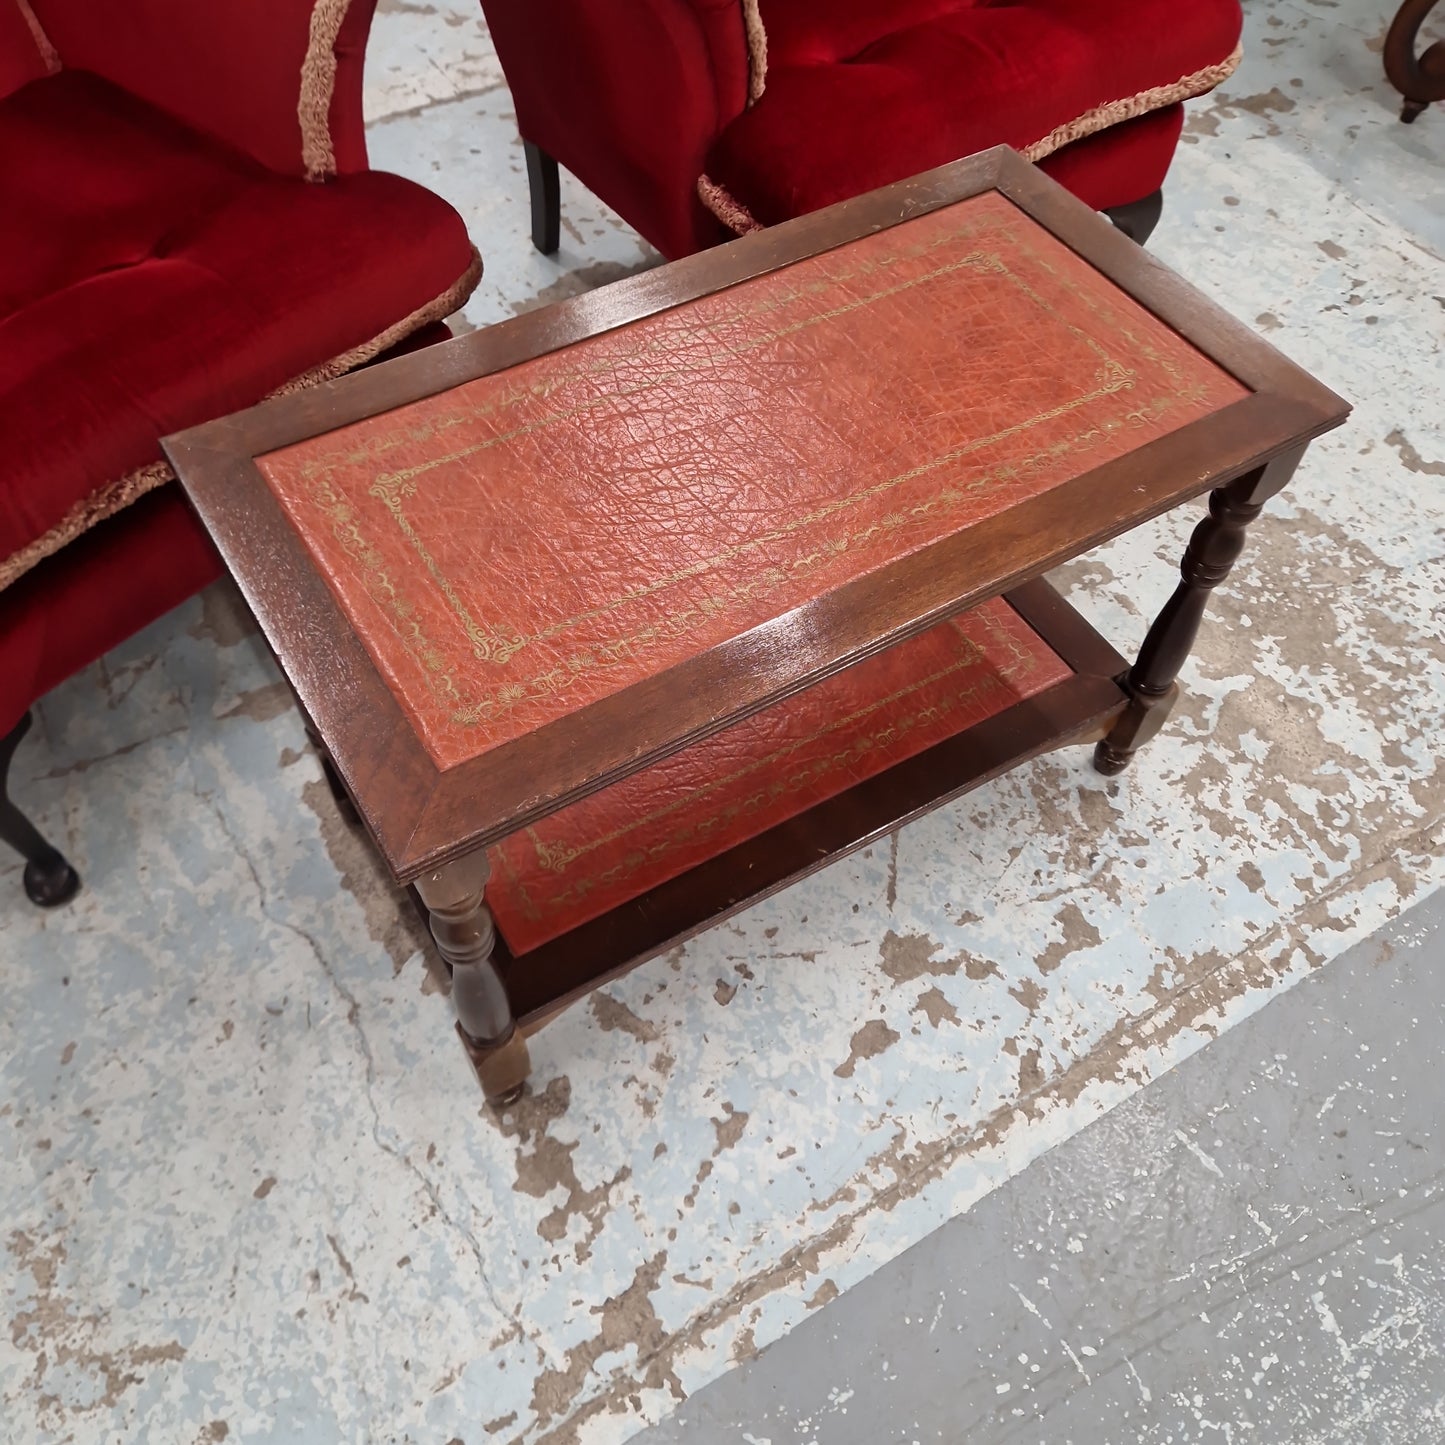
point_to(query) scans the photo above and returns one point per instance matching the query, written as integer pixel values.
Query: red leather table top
(526, 543)
(613, 846)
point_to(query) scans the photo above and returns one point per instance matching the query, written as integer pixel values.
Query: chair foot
(51, 883)
(49, 880)
(1138, 219)
(546, 194)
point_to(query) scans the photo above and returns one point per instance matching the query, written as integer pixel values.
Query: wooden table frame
(432, 826)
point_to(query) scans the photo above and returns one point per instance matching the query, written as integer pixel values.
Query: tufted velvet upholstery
(115, 579)
(171, 280)
(234, 69)
(775, 107)
(163, 259)
(1111, 163)
(857, 94)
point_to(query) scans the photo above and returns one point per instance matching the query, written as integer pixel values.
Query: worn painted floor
(1250, 1249)
(247, 1188)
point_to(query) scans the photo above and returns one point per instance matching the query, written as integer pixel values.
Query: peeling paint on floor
(247, 1184)
(1248, 1249)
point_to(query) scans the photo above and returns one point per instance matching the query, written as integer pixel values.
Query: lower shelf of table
(1075, 708)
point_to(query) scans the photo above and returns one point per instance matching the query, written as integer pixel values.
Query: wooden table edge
(284, 420)
(216, 464)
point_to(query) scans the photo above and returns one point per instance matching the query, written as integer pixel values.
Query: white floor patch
(249, 1190)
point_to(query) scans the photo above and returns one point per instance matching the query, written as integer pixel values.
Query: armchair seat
(188, 224)
(151, 277)
(850, 96)
(778, 107)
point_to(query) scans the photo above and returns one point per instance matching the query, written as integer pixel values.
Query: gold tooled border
(489, 645)
(736, 216)
(112, 497)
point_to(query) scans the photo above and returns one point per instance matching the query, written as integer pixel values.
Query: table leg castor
(1134, 728)
(501, 1068)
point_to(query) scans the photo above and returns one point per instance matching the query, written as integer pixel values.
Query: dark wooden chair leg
(1138, 219)
(49, 879)
(1419, 78)
(1212, 551)
(546, 193)
(461, 923)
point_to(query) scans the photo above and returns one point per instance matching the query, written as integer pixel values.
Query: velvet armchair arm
(278, 79)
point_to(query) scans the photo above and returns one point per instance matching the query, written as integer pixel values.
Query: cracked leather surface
(656, 824)
(523, 544)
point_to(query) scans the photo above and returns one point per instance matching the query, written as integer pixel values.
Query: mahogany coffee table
(632, 610)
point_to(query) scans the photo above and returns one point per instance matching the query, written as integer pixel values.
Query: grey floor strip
(1248, 1250)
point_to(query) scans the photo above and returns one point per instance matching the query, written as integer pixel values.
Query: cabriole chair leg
(546, 191)
(49, 879)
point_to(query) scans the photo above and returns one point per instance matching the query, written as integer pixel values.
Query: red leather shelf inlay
(615, 845)
(517, 547)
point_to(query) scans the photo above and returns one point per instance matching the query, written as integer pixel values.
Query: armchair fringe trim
(736, 216)
(112, 497)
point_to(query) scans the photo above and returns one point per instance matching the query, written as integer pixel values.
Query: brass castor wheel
(501, 1068)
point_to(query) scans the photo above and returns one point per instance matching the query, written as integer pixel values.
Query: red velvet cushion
(231, 68)
(861, 93)
(151, 279)
(117, 578)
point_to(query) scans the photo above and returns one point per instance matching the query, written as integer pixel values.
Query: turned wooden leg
(461, 923)
(1138, 219)
(49, 880)
(546, 192)
(1213, 550)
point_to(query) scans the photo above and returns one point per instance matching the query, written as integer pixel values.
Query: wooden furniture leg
(461, 923)
(546, 193)
(1213, 549)
(49, 880)
(1138, 219)
(1420, 79)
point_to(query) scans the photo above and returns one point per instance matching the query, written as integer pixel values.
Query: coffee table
(617, 616)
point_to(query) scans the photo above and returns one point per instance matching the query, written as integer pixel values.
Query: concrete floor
(1252, 1248)
(247, 1188)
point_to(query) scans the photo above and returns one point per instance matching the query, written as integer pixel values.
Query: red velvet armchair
(187, 224)
(699, 119)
